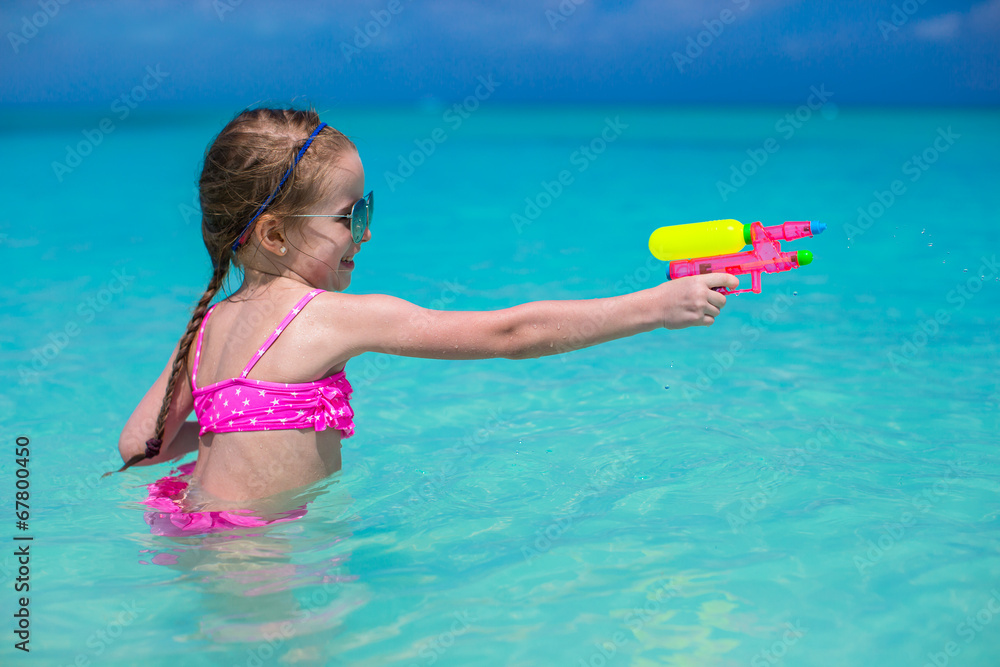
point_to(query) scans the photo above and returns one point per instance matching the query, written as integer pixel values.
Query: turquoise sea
(811, 481)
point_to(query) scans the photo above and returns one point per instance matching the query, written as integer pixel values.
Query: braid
(179, 368)
(243, 166)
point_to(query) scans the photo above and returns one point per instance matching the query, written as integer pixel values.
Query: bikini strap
(197, 348)
(277, 332)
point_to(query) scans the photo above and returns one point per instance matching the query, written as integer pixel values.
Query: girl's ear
(270, 233)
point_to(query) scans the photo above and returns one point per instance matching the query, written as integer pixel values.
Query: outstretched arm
(378, 323)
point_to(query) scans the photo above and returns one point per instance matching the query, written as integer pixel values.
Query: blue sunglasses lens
(361, 216)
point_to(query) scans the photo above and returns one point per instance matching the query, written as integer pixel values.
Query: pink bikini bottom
(171, 519)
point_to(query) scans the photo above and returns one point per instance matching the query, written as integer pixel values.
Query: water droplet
(795, 293)
(929, 245)
(667, 387)
(965, 270)
(921, 231)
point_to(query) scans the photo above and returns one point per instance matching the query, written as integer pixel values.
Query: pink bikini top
(242, 404)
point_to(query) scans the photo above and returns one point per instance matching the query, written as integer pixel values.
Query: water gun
(713, 247)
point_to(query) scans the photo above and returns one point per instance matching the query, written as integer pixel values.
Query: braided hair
(243, 166)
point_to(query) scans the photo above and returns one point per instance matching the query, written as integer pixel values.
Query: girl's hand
(691, 301)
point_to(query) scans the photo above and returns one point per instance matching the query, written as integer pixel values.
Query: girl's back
(244, 465)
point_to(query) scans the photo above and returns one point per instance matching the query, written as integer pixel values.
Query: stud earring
(282, 250)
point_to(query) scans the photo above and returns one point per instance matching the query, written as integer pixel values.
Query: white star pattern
(295, 310)
(338, 415)
(278, 332)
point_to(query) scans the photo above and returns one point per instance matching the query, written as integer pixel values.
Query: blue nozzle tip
(817, 227)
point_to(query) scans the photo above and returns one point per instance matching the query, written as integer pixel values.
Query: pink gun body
(765, 257)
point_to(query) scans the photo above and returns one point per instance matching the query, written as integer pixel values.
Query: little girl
(282, 195)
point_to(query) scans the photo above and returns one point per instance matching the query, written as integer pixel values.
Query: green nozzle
(803, 257)
(746, 235)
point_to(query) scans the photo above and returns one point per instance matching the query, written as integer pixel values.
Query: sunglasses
(361, 216)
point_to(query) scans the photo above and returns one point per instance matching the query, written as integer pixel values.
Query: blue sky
(878, 52)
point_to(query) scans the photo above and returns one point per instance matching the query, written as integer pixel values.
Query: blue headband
(267, 202)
